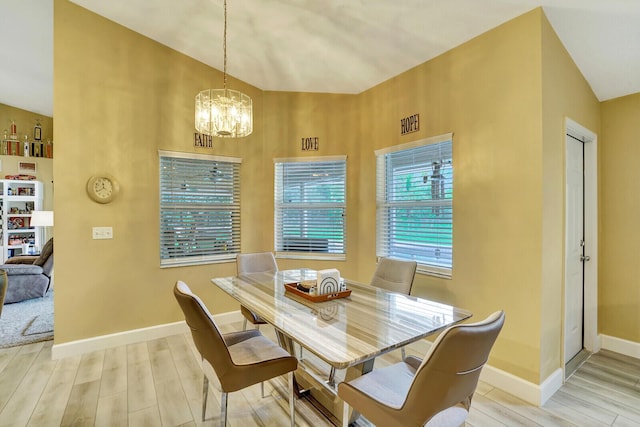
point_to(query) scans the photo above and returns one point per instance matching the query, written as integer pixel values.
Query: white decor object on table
(328, 281)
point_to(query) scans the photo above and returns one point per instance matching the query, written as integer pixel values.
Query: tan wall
(470, 91)
(487, 92)
(118, 98)
(334, 119)
(132, 97)
(619, 292)
(565, 94)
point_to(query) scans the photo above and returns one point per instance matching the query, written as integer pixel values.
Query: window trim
(198, 156)
(208, 259)
(415, 144)
(310, 255)
(426, 269)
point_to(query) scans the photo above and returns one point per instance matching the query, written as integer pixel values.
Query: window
(415, 203)
(310, 207)
(199, 208)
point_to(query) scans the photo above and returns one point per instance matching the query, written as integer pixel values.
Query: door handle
(585, 258)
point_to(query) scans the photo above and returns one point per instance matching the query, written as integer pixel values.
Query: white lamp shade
(41, 219)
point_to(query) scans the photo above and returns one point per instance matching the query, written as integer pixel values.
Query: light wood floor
(159, 383)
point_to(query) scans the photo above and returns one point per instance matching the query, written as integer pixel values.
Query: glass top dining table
(342, 332)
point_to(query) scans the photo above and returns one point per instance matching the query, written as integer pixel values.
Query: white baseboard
(538, 394)
(619, 345)
(74, 348)
(529, 392)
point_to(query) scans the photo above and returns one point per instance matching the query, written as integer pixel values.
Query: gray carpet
(27, 321)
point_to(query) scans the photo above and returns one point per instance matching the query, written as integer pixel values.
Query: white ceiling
(341, 46)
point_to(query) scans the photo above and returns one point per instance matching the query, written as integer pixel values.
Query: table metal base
(314, 383)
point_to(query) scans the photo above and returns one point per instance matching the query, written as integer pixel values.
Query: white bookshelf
(18, 199)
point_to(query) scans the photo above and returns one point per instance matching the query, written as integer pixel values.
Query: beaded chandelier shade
(224, 113)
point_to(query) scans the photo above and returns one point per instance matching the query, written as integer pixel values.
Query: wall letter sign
(202, 140)
(310, 144)
(410, 124)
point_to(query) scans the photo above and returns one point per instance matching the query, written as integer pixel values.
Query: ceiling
(339, 46)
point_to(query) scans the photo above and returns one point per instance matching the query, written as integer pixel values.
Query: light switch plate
(103, 232)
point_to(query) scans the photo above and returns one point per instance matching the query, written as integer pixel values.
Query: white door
(575, 247)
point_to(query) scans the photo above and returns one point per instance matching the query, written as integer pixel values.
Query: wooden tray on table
(293, 288)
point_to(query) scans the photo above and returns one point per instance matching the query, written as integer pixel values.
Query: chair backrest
(206, 335)
(260, 262)
(449, 373)
(394, 275)
(45, 260)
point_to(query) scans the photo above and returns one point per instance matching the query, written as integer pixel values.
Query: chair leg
(403, 354)
(292, 403)
(345, 414)
(262, 389)
(223, 409)
(467, 402)
(244, 324)
(205, 394)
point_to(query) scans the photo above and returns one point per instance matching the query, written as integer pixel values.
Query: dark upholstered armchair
(29, 276)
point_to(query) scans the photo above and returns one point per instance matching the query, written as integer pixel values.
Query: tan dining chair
(238, 359)
(394, 275)
(434, 391)
(259, 262)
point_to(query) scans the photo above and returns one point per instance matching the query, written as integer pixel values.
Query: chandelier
(224, 113)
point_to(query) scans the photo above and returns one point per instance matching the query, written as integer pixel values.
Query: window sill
(442, 273)
(314, 256)
(200, 261)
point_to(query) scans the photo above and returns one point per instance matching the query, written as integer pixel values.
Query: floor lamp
(42, 219)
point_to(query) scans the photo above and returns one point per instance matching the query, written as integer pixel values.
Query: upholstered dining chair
(434, 391)
(260, 262)
(238, 359)
(394, 275)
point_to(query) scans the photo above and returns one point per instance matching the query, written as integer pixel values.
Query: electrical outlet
(103, 232)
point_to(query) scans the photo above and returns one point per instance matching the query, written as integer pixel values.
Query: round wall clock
(102, 188)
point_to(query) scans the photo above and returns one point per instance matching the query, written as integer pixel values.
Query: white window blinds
(199, 208)
(415, 203)
(310, 207)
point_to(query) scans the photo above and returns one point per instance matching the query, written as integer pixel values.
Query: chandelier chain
(224, 113)
(224, 48)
